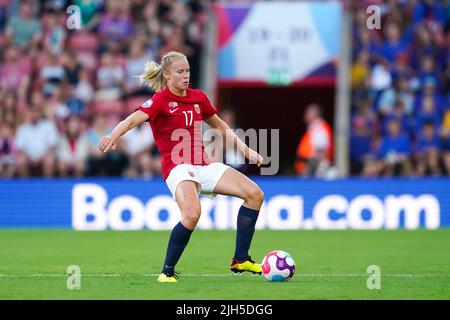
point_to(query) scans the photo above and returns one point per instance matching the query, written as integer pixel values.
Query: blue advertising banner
(290, 203)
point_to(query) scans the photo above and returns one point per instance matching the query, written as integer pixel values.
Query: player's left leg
(236, 184)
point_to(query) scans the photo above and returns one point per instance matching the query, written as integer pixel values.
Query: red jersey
(176, 125)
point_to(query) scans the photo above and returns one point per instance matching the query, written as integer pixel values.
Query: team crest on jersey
(196, 108)
(173, 104)
(147, 104)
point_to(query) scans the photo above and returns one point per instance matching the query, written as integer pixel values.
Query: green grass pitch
(124, 265)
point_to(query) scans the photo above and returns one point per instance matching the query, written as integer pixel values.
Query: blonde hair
(154, 73)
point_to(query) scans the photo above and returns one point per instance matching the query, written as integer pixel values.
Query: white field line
(312, 275)
(48, 275)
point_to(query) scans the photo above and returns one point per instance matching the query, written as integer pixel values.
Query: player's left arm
(215, 122)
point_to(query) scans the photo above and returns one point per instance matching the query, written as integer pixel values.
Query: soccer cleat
(168, 277)
(245, 265)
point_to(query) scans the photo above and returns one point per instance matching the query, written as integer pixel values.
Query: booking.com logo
(73, 21)
(189, 148)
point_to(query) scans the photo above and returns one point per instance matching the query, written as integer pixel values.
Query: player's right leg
(187, 198)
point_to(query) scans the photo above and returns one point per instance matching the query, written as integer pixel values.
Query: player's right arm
(109, 142)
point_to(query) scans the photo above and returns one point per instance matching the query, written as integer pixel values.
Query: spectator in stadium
(24, 30)
(54, 33)
(427, 112)
(15, 72)
(52, 74)
(174, 39)
(428, 71)
(136, 59)
(380, 77)
(402, 68)
(360, 69)
(424, 45)
(401, 92)
(398, 113)
(360, 144)
(72, 149)
(84, 90)
(89, 10)
(428, 151)
(365, 39)
(394, 151)
(429, 10)
(36, 140)
(55, 106)
(137, 144)
(363, 128)
(110, 78)
(445, 141)
(231, 156)
(116, 26)
(152, 25)
(429, 90)
(9, 111)
(99, 163)
(74, 104)
(314, 152)
(72, 68)
(7, 150)
(393, 44)
(446, 76)
(3, 15)
(179, 13)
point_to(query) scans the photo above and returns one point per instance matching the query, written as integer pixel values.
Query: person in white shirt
(72, 150)
(137, 146)
(35, 141)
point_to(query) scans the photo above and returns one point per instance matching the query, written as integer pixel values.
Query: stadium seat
(83, 41)
(88, 60)
(110, 107)
(134, 102)
(121, 60)
(40, 61)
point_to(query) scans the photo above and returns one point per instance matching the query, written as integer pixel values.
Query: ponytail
(153, 76)
(153, 72)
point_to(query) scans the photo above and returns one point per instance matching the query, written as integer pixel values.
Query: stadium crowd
(62, 89)
(400, 122)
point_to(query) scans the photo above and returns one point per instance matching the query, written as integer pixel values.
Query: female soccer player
(176, 110)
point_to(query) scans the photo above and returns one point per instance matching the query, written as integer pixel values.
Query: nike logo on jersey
(173, 110)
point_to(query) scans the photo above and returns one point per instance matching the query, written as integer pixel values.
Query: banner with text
(290, 203)
(278, 43)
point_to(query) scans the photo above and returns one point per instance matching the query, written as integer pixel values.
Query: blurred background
(357, 88)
